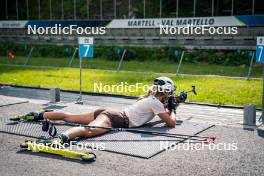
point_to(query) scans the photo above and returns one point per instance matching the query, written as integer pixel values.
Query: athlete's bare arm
(168, 118)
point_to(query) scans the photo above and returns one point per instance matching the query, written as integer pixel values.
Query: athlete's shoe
(35, 116)
(64, 139)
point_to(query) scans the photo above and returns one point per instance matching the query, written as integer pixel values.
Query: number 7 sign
(260, 49)
(86, 47)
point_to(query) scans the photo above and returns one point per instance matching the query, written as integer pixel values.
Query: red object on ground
(10, 55)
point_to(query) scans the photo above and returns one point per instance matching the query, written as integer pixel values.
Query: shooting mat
(133, 144)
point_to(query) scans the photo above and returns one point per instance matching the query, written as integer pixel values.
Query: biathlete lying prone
(158, 101)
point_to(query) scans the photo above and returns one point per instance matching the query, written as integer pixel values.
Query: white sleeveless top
(143, 111)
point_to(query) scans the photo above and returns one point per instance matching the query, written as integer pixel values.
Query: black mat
(6, 101)
(145, 145)
(133, 144)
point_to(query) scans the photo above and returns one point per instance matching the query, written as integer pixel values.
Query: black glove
(172, 104)
(183, 96)
(47, 126)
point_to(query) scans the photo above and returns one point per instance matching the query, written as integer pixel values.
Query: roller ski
(55, 147)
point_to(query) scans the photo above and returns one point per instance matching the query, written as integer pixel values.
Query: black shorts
(117, 118)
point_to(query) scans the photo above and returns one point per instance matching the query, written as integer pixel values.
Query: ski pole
(134, 130)
(174, 135)
(177, 135)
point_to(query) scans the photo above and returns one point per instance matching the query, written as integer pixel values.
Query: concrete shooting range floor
(6, 101)
(248, 159)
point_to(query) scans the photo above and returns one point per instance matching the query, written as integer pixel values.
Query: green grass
(210, 90)
(154, 66)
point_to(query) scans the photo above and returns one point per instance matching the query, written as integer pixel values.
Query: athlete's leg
(84, 118)
(101, 120)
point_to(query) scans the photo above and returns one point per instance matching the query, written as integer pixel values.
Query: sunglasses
(159, 82)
